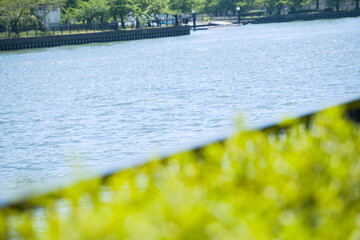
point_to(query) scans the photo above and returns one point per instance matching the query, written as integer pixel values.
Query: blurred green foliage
(302, 183)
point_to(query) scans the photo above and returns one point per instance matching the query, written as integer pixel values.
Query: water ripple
(113, 103)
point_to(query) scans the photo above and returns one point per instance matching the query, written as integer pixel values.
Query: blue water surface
(74, 109)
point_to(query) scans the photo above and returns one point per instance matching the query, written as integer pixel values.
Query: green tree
(211, 6)
(219, 7)
(356, 4)
(246, 4)
(93, 9)
(293, 4)
(199, 6)
(227, 6)
(71, 4)
(178, 7)
(157, 7)
(334, 3)
(143, 10)
(272, 6)
(139, 11)
(101, 9)
(11, 12)
(86, 12)
(67, 15)
(121, 8)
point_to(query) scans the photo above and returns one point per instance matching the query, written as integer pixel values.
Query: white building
(52, 16)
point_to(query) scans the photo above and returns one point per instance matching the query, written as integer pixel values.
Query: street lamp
(194, 20)
(238, 13)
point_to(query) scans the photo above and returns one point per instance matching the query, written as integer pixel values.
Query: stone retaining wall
(75, 39)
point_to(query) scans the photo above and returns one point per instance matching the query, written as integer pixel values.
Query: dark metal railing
(69, 29)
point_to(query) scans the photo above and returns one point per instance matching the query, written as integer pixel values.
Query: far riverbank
(228, 21)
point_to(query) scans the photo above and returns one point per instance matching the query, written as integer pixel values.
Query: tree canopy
(16, 12)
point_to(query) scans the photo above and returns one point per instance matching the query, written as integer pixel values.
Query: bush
(256, 13)
(302, 11)
(299, 184)
(327, 10)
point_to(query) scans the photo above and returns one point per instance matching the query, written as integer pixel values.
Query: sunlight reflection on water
(98, 105)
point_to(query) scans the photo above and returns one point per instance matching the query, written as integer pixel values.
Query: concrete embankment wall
(75, 39)
(305, 17)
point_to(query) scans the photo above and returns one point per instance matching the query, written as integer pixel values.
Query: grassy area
(300, 184)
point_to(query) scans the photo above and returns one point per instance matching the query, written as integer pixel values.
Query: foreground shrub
(302, 183)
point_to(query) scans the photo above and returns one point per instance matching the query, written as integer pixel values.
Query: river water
(74, 109)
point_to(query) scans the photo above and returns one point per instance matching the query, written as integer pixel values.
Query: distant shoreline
(232, 21)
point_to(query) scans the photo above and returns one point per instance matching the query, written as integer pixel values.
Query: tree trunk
(9, 30)
(317, 5)
(122, 21)
(16, 27)
(115, 19)
(356, 4)
(40, 25)
(337, 6)
(137, 23)
(176, 20)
